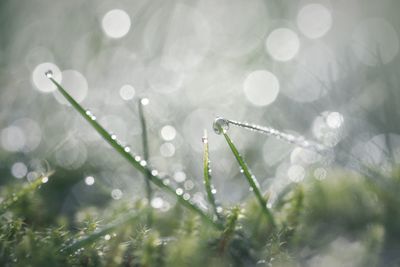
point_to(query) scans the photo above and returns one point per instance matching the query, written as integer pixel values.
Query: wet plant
(342, 219)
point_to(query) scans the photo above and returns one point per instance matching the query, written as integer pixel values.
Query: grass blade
(250, 177)
(207, 177)
(154, 178)
(145, 143)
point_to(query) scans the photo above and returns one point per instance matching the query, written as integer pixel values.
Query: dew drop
(186, 196)
(137, 158)
(127, 149)
(179, 191)
(49, 74)
(144, 101)
(45, 179)
(220, 125)
(113, 137)
(213, 191)
(143, 163)
(154, 172)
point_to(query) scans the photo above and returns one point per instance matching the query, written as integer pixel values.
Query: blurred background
(325, 70)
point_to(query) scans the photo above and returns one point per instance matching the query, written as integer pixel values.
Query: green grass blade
(207, 176)
(250, 178)
(155, 179)
(145, 143)
(89, 239)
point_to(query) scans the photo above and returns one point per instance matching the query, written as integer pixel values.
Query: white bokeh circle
(116, 23)
(261, 87)
(314, 20)
(282, 44)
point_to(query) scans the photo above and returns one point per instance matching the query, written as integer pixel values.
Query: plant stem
(250, 178)
(207, 176)
(145, 143)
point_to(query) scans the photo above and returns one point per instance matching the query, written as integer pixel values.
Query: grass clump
(345, 220)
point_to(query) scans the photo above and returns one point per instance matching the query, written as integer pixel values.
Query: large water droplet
(49, 74)
(220, 125)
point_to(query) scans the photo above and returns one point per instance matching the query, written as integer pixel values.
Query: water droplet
(137, 158)
(127, 149)
(93, 118)
(113, 137)
(186, 196)
(213, 191)
(220, 125)
(49, 74)
(88, 112)
(154, 172)
(166, 181)
(45, 179)
(179, 191)
(107, 237)
(144, 101)
(143, 163)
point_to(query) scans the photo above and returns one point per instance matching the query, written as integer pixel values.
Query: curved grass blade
(207, 177)
(154, 178)
(145, 143)
(250, 177)
(89, 239)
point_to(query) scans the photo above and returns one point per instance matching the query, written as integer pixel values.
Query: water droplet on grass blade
(220, 125)
(179, 191)
(144, 101)
(49, 74)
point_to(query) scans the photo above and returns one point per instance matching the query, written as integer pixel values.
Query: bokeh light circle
(75, 84)
(41, 82)
(375, 41)
(261, 87)
(168, 132)
(282, 44)
(19, 170)
(127, 92)
(296, 173)
(314, 20)
(116, 23)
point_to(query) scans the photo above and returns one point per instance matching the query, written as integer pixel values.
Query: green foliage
(344, 220)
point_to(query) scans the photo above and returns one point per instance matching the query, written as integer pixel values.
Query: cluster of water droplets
(91, 115)
(221, 125)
